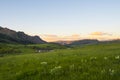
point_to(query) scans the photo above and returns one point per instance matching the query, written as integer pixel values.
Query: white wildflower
(93, 58)
(58, 67)
(43, 63)
(105, 58)
(112, 71)
(55, 70)
(117, 57)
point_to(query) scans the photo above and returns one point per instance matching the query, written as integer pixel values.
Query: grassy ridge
(92, 62)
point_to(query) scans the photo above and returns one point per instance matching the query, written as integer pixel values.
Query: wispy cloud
(99, 33)
(102, 36)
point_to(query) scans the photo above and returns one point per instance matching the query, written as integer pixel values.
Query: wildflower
(117, 57)
(105, 58)
(43, 63)
(83, 60)
(56, 70)
(111, 71)
(58, 67)
(93, 58)
(103, 71)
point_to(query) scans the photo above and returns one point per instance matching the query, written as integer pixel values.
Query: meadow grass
(90, 62)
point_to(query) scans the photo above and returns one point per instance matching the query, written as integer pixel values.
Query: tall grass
(92, 62)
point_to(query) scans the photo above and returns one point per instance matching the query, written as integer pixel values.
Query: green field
(90, 62)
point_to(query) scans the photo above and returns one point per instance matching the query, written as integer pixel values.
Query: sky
(55, 20)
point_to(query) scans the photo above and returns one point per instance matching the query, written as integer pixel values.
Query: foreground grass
(93, 62)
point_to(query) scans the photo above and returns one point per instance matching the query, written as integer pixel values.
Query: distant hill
(78, 42)
(63, 42)
(111, 41)
(11, 36)
(84, 42)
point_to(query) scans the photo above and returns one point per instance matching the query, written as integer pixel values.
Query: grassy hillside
(91, 62)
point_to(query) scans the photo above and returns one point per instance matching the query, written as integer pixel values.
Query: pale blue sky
(61, 16)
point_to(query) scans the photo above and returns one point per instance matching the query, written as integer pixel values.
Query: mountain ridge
(11, 36)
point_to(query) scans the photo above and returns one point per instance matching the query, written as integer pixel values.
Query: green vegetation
(49, 46)
(16, 49)
(90, 62)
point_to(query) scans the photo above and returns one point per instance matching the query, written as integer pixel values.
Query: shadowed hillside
(11, 36)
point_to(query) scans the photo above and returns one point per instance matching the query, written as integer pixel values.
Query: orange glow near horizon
(52, 38)
(93, 35)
